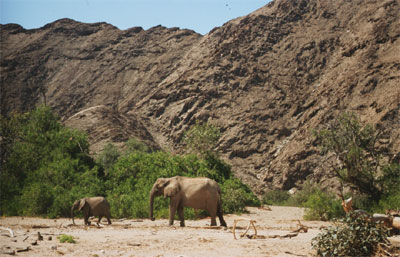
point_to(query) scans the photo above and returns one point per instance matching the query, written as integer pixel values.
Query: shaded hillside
(266, 79)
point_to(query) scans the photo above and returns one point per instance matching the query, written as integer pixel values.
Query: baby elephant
(92, 206)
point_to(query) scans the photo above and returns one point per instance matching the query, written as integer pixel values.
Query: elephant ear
(82, 204)
(171, 189)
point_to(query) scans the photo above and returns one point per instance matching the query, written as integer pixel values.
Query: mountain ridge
(266, 79)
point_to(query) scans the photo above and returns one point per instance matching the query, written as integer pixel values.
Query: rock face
(266, 79)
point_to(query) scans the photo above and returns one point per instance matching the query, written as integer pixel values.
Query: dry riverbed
(130, 237)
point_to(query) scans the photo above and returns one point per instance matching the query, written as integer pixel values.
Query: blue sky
(198, 15)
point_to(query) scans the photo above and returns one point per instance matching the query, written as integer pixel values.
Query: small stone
(53, 247)
(49, 238)
(34, 242)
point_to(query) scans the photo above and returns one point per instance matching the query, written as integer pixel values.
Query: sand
(133, 237)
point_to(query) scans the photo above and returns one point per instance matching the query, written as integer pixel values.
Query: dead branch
(251, 223)
(9, 230)
(300, 228)
(213, 227)
(265, 207)
(40, 226)
(287, 252)
(23, 249)
(289, 235)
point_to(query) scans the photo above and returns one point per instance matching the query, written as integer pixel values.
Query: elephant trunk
(151, 205)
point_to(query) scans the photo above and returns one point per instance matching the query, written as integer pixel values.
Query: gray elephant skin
(198, 193)
(92, 206)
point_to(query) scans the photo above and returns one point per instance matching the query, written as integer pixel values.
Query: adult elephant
(198, 193)
(92, 206)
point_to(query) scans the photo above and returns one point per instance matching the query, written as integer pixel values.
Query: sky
(198, 15)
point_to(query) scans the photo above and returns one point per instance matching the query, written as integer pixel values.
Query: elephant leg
(181, 215)
(98, 222)
(220, 216)
(213, 215)
(173, 205)
(87, 222)
(213, 221)
(221, 219)
(86, 215)
(109, 220)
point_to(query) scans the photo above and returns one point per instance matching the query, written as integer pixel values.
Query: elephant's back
(100, 205)
(199, 191)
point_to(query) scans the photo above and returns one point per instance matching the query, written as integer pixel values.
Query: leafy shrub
(355, 235)
(302, 196)
(202, 139)
(132, 177)
(389, 202)
(276, 197)
(236, 196)
(108, 157)
(63, 238)
(46, 167)
(133, 145)
(36, 198)
(322, 206)
(43, 164)
(359, 161)
(319, 204)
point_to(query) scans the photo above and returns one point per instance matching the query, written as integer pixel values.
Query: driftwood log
(300, 228)
(9, 230)
(251, 222)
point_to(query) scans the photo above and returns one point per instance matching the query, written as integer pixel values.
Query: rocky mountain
(266, 79)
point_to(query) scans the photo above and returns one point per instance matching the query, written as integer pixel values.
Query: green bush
(389, 202)
(133, 145)
(45, 164)
(236, 196)
(319, 204)
(36, 198)
(202, 139)
(46, 167)
(133, 175)
(302, 196)
(359, 160)
(355, 235)
(322, 206)
(108, 157)
(63, 238)
(276, 197)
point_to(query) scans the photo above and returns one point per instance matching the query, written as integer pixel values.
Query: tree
(358, 160)
(202, 139)
(108, 157)
(44, 161)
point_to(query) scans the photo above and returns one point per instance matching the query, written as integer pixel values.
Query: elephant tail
(219, 205)
(220, 209)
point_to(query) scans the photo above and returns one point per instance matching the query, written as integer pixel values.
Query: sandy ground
(129, 237)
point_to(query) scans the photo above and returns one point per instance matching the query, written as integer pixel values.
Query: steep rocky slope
(266, 79)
